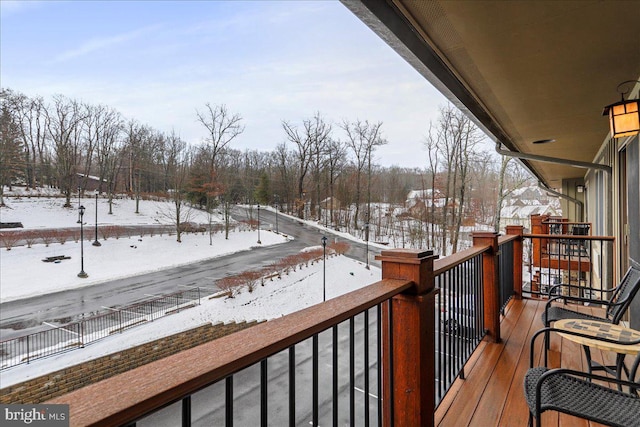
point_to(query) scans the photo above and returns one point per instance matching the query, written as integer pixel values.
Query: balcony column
(490, 282)
(517, 230)
(408, 330)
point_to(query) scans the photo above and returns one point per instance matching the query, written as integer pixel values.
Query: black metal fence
(506, 273)
(332, 378)
(580, 261)
(459, 321)
(75, 335)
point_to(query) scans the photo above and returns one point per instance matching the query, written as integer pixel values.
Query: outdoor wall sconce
(580, 188)
(624, 116)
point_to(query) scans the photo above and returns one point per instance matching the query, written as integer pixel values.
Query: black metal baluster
(352, 381)
(379, 360)
(263, 392)
(366, 368)
(228, 402)
(292, 386)
(186, 411)
(315, 380)
(391, 362)
(335, 375)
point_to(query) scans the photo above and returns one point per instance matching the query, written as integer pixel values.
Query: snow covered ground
(24, 274)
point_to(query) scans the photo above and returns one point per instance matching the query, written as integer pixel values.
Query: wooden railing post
(517, 230)
(491, 282)
(408, 363)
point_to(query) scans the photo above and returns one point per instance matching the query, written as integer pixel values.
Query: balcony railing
(562, 252)
(372, 355)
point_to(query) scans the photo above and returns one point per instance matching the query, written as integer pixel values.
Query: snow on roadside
(278, 297)
(24, 274)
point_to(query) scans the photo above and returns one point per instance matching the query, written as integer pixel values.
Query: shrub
(339, 248)
(230, 285)
(47, 236)
(250, 279)
(61, 236)
(30, 237)
(9, 239)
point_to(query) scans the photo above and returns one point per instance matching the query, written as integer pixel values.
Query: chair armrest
(580, 299)
(553, 288)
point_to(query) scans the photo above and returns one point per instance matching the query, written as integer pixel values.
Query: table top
(600, 330)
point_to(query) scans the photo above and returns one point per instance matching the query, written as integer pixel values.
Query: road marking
(58, 327)
(151, 295)
(362, 391)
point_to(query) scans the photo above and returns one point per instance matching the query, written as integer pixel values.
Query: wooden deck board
(493, 394)
(493, 400)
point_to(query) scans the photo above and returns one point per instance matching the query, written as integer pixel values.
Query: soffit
(540, 69)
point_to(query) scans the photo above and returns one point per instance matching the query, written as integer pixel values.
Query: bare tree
(64, 121)
(222, 128)
(284, 165)
(32, 120)
(177, 161)
(336, 158)
(431, 144)
(468, 136)
(315, 133)
(11, 146)
(363, 138)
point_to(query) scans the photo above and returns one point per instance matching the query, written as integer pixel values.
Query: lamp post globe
(95, 241)
(82, 273)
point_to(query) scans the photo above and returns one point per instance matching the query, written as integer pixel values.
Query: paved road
(27, 315)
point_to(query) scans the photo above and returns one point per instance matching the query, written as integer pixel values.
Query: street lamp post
(259, 242)
(96, 242)
(79, 219)
(82, 274)
(366, 228)
(275, 197)
(324, 268)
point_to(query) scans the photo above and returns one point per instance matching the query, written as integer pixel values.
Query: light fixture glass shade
(624, 118)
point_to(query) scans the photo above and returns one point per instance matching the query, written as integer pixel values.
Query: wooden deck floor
(492, 393)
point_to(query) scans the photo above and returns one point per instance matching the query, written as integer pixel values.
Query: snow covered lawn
(23, 274)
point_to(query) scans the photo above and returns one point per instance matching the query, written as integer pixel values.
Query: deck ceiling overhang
(524, 70)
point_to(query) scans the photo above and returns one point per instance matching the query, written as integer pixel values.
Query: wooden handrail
(569, 236)
(131, 395)
(566, 222)
(507, 238)
(448, 263)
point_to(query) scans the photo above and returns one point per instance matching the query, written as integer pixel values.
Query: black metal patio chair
(574, 392)
(616, 306)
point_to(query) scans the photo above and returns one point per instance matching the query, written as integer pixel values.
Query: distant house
(331, 203)
(527, 201)
(420, 201)
(88, 182)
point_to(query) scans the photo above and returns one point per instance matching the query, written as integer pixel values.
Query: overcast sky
(159, 61)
